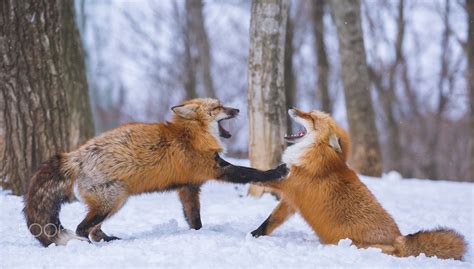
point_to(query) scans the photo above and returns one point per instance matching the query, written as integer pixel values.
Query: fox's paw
(258, 232)
(282, 170)
(98, 235)
(110, 238)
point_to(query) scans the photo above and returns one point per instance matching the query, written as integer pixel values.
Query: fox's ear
(187, 111)
(335, 143)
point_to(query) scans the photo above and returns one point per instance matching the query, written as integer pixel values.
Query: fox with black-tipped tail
(135, 158)
(336, 204)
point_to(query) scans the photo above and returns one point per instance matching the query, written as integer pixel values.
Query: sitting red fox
(336, 204)
(135, 158)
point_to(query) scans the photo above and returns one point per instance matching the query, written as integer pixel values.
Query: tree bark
(365, 156)
(266, 94)
(290, 87)
(190, 60)
(199, 37)
(44, 98)
(470, 52)
(322, 61)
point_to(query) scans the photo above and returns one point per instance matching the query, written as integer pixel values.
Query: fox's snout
(231, 112)
(295, 112)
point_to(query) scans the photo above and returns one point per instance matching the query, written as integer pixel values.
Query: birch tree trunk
(365, 156)
(44, 101)
(470, 52)
(266, 93)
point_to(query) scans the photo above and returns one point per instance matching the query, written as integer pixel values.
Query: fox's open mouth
(222, 131)
(293, 138)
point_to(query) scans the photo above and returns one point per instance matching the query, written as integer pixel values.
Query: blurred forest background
(143, 57)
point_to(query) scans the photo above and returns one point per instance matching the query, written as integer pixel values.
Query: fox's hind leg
(103, 201)
(279, 215)
(189, 197)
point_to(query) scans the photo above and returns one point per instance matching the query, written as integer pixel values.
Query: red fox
(135, 158)
(336, 204)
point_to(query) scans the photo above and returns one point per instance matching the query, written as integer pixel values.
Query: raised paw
(282, 170)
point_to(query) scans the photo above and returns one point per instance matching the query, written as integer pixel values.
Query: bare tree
(444, 91)
(199, 39)
(266, 94)
(189, 57)
(470, 45)
(290, 83)
(317, 17)
(387, 93)
(365, 156)
(44, 99)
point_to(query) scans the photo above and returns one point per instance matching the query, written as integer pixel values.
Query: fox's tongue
(223, 132)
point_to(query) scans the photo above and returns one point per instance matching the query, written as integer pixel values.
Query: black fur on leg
(240, 174)
(85, 227)
(195, 221)
(261, 230)
(189, 197)
(98, 235)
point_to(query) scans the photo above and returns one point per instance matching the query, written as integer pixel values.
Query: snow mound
(155, 234)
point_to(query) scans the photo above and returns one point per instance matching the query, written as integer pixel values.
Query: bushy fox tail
(443, 243)
(50, 187)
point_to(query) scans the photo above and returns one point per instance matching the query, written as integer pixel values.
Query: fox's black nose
(234, 112)
(231, 111)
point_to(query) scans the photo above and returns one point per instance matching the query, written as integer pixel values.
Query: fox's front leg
(279, 215)
(189, 197)
(239, 174)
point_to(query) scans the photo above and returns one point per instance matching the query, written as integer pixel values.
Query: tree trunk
(431, 167)
(189, 80)
(290, 87)
(365, 156)
(470, 52)
(44, 99)
(393, 128)
(266, 93)
(387, 96)
(322, 61)
(197, 30)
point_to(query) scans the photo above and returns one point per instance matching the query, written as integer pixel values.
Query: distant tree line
(45, 107)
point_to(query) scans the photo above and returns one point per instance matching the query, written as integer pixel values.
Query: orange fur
(337, 205)
(148, 157)
(135, 158)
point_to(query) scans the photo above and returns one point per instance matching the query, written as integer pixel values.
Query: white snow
(155, 234)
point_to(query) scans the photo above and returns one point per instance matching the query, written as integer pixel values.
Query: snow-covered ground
(155, 234)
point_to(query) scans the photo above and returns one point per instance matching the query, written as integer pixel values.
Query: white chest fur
(292, 154)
